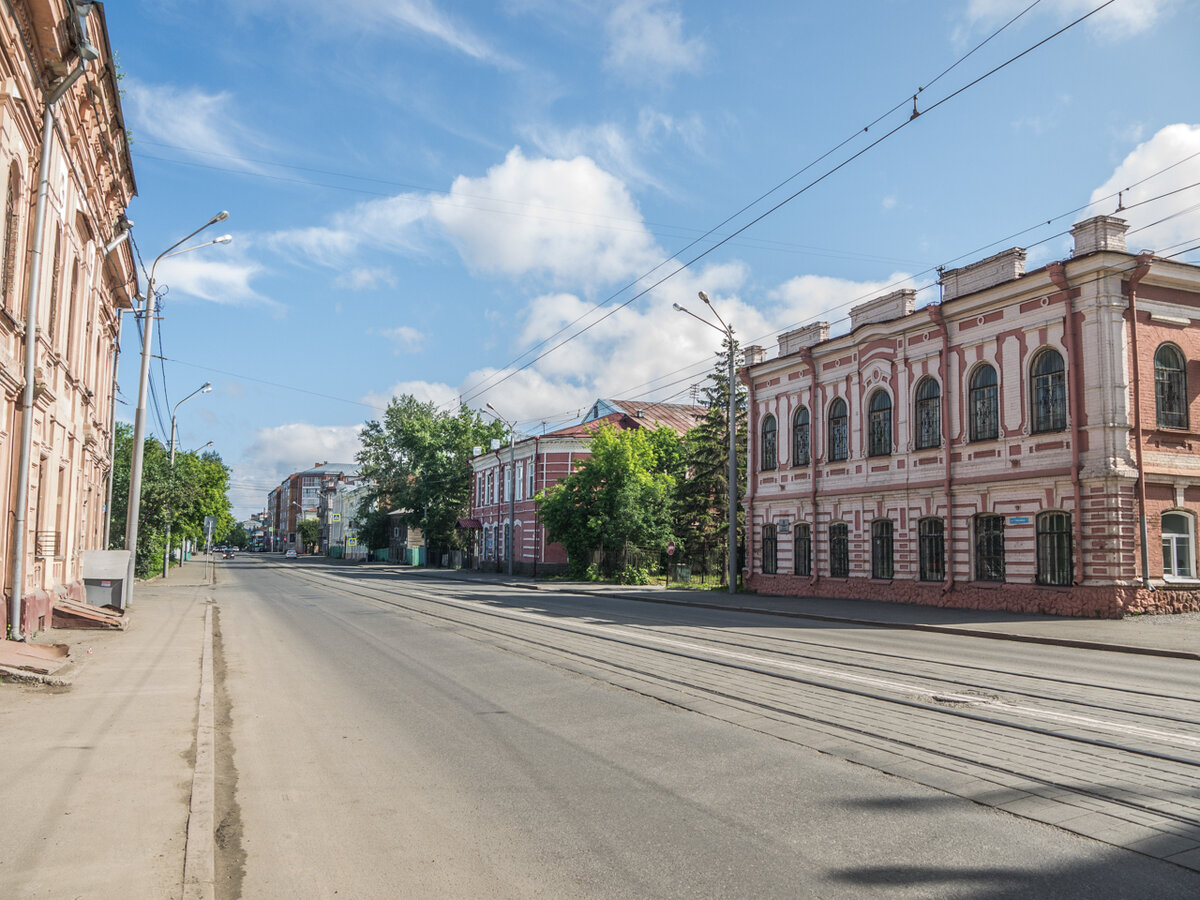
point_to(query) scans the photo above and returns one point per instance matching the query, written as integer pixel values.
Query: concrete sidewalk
(99, 774)
(1174, 635)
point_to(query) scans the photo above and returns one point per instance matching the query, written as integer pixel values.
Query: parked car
(291, 554)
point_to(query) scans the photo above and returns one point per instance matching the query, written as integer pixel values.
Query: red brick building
(1031, 443)
(540, 463)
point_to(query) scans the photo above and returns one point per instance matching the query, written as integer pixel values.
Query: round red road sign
(670, 548)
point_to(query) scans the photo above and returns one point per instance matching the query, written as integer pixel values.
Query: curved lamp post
(733, 490)
(203, 389)
(139, 420)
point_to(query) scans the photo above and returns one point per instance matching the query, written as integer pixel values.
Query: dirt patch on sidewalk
(230, 855)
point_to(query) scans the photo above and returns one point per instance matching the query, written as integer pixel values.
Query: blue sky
(421, 191)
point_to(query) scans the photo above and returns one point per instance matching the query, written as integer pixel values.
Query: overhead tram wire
(480, 389)
(701, 366)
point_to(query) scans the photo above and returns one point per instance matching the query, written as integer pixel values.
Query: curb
(199, 856)
(848, 620)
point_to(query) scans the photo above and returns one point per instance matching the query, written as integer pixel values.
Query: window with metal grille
(931, 540)
(839, 431)
(1179, 545)
(770, 549)
(839, 550)
(928, 414)
(1054, 548)
(800, 452)
(989, 548)
(984, 401)
(1049, 392)
(802, 549)
(881, 424)
(770, 450)
(8, 275)
(881, 548)
(1170, 387)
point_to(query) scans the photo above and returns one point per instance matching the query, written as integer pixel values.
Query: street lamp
(204, 389)
(512, 491)
(733, 491)
(139, 419)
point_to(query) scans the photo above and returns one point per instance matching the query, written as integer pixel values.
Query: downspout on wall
(1143, 537)
(1058, 275)
(17, 588)
(813, 428)
(939, 320)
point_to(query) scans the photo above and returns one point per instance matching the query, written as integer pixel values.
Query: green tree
(197, 486)
(419, 460)
(702, 499)
(310, 532)
(616, 498)
(238, 537)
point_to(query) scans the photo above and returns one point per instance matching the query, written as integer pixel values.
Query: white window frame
(1189, 537)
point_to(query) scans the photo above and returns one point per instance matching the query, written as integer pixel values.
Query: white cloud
(1170, 145)
(606, 143)
(567, 219)
(366, 279)
(1120, 20)
(403, 338)
(215, 280)
(274, 453)
(422, 18)
(189, 118)
(441, 395)
(390, 223)
(646, 40)
(819, 298)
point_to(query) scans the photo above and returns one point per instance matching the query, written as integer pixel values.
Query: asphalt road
(388, 737)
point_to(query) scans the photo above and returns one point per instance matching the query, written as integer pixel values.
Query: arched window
(8, 274)
(1179, 545)
(881, 548)
(1170, 387)
(839, 430)
(800, 451)
(839, 550)
(72, 297)
(1054, 548)
(802, 557)
(55, 278)
(881, 424)
(928, 417)
(931, 538)
(769, 453)
(770, 549)
(1049, 388)
(985, 404)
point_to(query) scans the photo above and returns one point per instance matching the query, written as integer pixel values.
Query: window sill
(1173, 580)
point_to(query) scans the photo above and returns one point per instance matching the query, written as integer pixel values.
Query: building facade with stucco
(66, 260)
(1030, 443)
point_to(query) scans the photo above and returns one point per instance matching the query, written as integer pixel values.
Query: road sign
(670, 548)
(337, 517)
(352, 542)
(210, 524)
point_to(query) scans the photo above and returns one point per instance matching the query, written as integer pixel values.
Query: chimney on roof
(639, 413)
(1099, 233)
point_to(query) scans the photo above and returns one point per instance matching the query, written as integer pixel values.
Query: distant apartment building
(298, 497)
(538, 463)
(67, 260)
(1030, 443)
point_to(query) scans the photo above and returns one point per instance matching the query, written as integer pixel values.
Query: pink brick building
(1031, 443)
(540, 463)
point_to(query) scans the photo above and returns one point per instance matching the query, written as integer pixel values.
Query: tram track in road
(1144, 768)
(944, 688)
